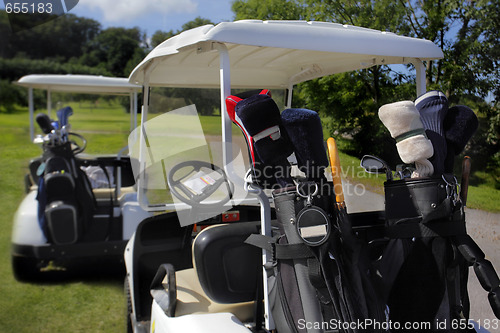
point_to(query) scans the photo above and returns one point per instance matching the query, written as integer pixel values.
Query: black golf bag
(320, 278)
(66, 202)
(424, 267)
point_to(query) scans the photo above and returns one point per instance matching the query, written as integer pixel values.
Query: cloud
(114, 11)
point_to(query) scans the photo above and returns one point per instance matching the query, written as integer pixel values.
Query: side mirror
(373, 164)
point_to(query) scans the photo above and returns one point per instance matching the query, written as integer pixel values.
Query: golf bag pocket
(62, 225)
(304, 215)
(62, 222)
(421, 199)
(299, 297)
(424, 276)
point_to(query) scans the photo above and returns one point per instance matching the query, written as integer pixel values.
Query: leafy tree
(467, 31)
(269, 9)
(197, 22)
(63, 38)
(117, 50)
(161, 36)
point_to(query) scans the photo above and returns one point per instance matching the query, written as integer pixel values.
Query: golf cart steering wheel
(186, 195)
(77, 147)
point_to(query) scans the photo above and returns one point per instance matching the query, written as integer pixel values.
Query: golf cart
(80, 209)
(226, 235)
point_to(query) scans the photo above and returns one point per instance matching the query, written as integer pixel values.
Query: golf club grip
(464, 186)
(333, 153)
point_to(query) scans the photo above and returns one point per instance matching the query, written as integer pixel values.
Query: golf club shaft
(464, 186)
(336, 171)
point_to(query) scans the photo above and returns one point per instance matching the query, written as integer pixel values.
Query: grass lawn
(96, 305)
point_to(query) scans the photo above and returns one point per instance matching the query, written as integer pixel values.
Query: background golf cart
(116, 216)
(239, 55)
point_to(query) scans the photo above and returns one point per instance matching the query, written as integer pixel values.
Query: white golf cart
(191, 268)
(80, 209)
(219, 291)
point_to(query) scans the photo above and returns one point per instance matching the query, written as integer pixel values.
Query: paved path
(483, 227)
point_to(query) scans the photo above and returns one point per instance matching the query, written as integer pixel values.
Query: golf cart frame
(117, 212)
(249, 54)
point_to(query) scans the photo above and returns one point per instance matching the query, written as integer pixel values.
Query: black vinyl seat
(228, 269)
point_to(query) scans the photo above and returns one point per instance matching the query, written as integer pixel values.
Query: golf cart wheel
(25, 269)
(126, 287)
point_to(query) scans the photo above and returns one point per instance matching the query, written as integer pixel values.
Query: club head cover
(258, 116)
(402, 119)
(63, 115)
(306, 134)
(433, 106)
(44, 122)
(459, 126)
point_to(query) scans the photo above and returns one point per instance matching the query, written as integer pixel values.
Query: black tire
(126, 287)
(25, 269)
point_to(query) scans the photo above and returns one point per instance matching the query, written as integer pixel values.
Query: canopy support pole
(420, 68)
(32, 112)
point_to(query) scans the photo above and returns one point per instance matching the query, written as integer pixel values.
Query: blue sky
(152, 15)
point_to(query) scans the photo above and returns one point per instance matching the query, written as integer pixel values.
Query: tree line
(467, 31)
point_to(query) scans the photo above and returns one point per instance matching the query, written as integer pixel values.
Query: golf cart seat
(226, 276)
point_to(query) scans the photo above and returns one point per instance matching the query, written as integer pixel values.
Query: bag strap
(280, 251)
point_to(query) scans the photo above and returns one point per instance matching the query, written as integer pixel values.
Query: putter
(373, 164)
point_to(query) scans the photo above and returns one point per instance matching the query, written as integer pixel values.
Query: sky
(151, 15)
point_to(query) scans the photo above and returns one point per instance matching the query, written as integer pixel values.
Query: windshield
(178, 158)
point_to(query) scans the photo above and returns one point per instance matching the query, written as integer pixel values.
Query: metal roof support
(49, 103)
(420, 69)
(32, 111)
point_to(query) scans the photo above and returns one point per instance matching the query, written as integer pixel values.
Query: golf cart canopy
(275, 54)
(272, 55)
(85, 84)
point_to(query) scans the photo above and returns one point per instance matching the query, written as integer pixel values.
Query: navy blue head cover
(433, 106)
(259, 118)
(306, 134)
(63, 115)
(459, 125)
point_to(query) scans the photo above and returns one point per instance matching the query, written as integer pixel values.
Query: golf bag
(320, 277)
(66, 202)
(424, 267)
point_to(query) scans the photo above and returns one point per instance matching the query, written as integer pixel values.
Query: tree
(63, 38)
(467, 31)
(117, 50)
(161, 36)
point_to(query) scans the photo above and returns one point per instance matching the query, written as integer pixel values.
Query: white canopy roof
(72, 83)
(275, 54)
(90, 84)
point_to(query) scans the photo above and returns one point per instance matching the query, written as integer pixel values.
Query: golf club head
(433, 107)
(306, 135)
(44, 122)
(460, 125)
(258, 116)
(63, 116)
(376, 165)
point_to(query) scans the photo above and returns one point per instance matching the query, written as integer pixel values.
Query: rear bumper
(90, 250)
